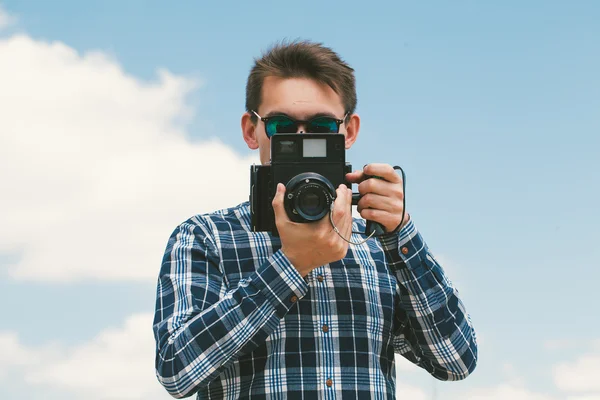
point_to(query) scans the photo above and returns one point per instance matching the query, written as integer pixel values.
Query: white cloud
(574, 380)
(95, 166)
(14, 355)
(6, 19)
(124, 357)
(117, 364)
(580, 376)
(512, 375)
(559, 344)
(404, 391)
(505, 392)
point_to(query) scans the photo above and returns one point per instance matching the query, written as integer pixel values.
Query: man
(242, 314)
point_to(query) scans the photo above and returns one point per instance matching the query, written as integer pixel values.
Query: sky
(121, 119)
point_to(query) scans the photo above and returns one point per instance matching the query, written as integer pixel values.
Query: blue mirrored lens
(280, 125)
(323, 125)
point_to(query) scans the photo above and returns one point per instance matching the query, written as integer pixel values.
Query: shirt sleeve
(434, 330)
(200, 325)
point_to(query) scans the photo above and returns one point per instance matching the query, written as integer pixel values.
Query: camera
(311, 166)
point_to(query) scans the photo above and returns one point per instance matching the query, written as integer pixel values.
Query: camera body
(311, 166)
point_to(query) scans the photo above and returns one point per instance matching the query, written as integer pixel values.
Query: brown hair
(302, 59)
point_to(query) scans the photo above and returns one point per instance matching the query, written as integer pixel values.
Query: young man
(242, 314)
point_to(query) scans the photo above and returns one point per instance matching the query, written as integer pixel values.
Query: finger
(383, 217)
(278, 208)
(340, 201)
(346, 203)
(348, 230)
(348, 220)
(378, 202)
(381, 187)
(384, 171)
(355, 177)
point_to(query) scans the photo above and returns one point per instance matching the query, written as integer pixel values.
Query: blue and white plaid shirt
(234, 319)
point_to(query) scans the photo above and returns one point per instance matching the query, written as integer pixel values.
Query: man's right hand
(310, 245)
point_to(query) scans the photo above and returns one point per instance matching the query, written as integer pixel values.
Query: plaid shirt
(234, 319)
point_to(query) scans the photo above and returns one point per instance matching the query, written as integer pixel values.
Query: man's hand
(382, 199)
(310, 245)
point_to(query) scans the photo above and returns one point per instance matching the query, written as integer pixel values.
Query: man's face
(300, 99)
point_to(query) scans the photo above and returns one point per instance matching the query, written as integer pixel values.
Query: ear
(249, 131)
(352, 129)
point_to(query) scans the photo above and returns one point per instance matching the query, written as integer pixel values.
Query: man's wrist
(405, 222)
(302, 269)
(401, 225)
(390, 240)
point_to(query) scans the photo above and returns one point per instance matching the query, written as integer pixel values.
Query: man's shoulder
(231, 216)
(237, 212)
(211, 226)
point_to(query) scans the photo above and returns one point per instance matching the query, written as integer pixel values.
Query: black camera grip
(373, 227)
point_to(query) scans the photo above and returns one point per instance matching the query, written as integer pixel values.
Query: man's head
(301, 80)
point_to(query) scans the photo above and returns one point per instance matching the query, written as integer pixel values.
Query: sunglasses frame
(339, 122)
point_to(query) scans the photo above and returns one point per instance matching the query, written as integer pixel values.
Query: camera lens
(310, 197)
(312, 201)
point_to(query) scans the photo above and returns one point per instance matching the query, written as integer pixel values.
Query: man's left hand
(382, 199)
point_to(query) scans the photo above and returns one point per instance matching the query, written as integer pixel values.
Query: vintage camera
(311, 166)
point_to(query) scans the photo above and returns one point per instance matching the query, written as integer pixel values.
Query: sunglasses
(284, 124)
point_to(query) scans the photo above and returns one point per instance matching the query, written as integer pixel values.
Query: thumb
(280, 214)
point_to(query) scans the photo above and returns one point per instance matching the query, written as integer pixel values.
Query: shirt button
(404, 250)
(320, 278)
(325, 328)
(294, 299)
(329, 382)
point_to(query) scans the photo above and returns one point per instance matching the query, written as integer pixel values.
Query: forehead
(299, 97)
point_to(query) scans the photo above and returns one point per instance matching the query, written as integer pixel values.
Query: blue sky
(491, 110)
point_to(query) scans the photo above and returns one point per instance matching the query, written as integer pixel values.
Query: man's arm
(435, 331)
(200, 325)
